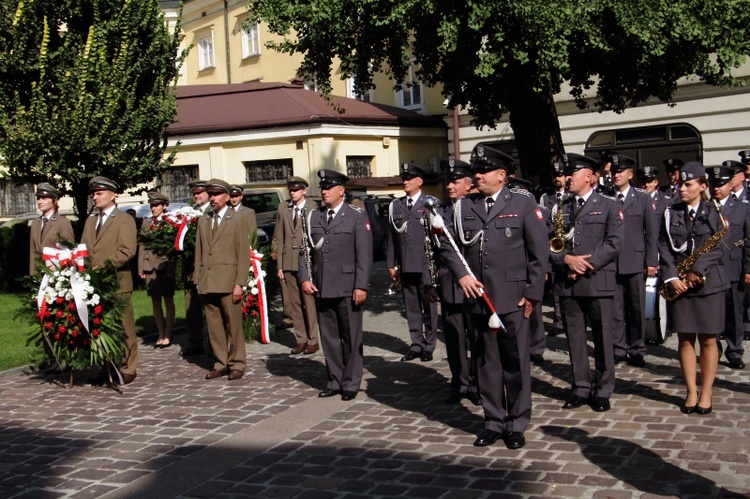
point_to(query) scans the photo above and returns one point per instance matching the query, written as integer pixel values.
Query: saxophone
(684, 266)
(428, 252)
(305, 244)
(557, 241)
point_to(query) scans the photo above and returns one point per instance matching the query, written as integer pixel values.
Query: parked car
(265, 202)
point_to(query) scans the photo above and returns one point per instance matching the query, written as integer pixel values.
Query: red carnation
(59, 314)
(253, 314)
(95, 333)
(59, 299)
(47, 325)
(96, 320)
(61, 329)
(74, 333)
(70, 318)
(98, 309)
(71, 306)
(57, 337)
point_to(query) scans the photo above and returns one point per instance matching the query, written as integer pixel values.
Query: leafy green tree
(86, 88)
(513, 56)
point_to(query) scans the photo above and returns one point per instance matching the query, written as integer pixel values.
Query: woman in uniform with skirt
(159, 275)
(692, 229)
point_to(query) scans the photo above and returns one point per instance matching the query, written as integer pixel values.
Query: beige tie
(216, 225)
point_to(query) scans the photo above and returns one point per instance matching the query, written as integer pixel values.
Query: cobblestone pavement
(174, 434)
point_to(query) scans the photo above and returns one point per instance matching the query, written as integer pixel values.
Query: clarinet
(428, 254)
(306, 245)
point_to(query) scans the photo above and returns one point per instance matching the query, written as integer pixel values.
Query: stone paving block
(209, 489)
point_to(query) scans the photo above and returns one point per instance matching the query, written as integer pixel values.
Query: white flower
(254, 291)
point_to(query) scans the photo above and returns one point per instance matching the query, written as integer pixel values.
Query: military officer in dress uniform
(246, 213)
(503, 237)
(738, 180)
(649, 181)
(193, 305)
(735, 256)
(50, 228)
(340, 239)
(456, 320)
(672, 189)
(745, 160)
(288, 239)
(110, 234)
(222, 263)
(585, 280)
(638, 259)
(405, 249)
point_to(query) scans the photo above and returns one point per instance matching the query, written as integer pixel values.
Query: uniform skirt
(697, 314)
(160, 282)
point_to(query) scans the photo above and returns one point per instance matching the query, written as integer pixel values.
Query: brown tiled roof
(257, 105)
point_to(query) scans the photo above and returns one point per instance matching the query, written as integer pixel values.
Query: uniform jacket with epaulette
(661, 201)
(407, 249)
(548, 201)
(288, 234)
(341, 252)
(676, 243)
(736, 245)
(116, 241)
(596, 230)
(57, 228)
(222, 260)
(506, 249)
(640, 246)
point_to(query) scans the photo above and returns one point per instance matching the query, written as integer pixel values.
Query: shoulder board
(520, 191)
(356, 208)
(611, 198)
(745, 201)
(638, 189)
(543, 208)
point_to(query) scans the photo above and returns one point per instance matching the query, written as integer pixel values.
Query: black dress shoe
(474, 398)
(599, 404)
(347, 396)
(426, 357)
(736, 364)
(410, 355)
(454, 398)
(703, 410)
(514, 439)
(486, 437)
(537, 359)
(636, 360)
(328, 393)
(574, 402)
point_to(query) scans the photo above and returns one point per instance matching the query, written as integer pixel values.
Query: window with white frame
(411, 95)
(206, 51)
(351, 92)
(250, 41)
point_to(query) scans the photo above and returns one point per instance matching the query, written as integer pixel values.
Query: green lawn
(13, 331)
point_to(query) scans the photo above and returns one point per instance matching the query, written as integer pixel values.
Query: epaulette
(542, 207)
(520, 191)
(356, 208)
(744, 200)
(611, 198)
(641, 190)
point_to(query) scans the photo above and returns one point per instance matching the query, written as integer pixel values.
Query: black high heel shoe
(688, 409)
(703, 410)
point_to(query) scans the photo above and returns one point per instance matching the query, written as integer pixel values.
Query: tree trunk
(81, 208)
(536, 128)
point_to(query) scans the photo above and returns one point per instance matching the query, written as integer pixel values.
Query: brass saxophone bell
(556, 244)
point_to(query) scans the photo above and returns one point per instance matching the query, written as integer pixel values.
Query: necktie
(216, 225)
(296, 213)
(580, 203)
(330, 215)
(490, 202)
(102, 217)
(410, 204)
(691, 215)
(734, 197)
(44, 221)
(621, 198)
(559, 197)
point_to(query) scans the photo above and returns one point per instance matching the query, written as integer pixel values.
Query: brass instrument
(428, 253)
(557, 241)
(684, 266)
(396, 287)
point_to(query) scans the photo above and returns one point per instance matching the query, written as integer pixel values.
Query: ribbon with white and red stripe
(255, 262)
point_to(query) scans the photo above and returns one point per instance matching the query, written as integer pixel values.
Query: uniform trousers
(458, 335)
(224, 320)
(628, 329)
(302, 310)
(341, 335)
(504, 372)
(734, 332)
(536, 326)
(598, 311)
(419, 312)
(129, 361)
(193, 316)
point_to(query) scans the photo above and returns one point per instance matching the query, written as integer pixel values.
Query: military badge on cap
(745, 155)
(480, 151)
(47, 190)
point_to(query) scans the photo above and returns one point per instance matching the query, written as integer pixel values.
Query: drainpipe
(456, 145)
(226, 41)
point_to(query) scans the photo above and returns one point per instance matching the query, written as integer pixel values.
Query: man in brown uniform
(49, 228)
(247, 214)
(288, 239)
(110, 234)
(222, 262)
(193, 306)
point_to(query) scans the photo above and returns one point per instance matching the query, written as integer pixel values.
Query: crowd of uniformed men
(486, 255)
